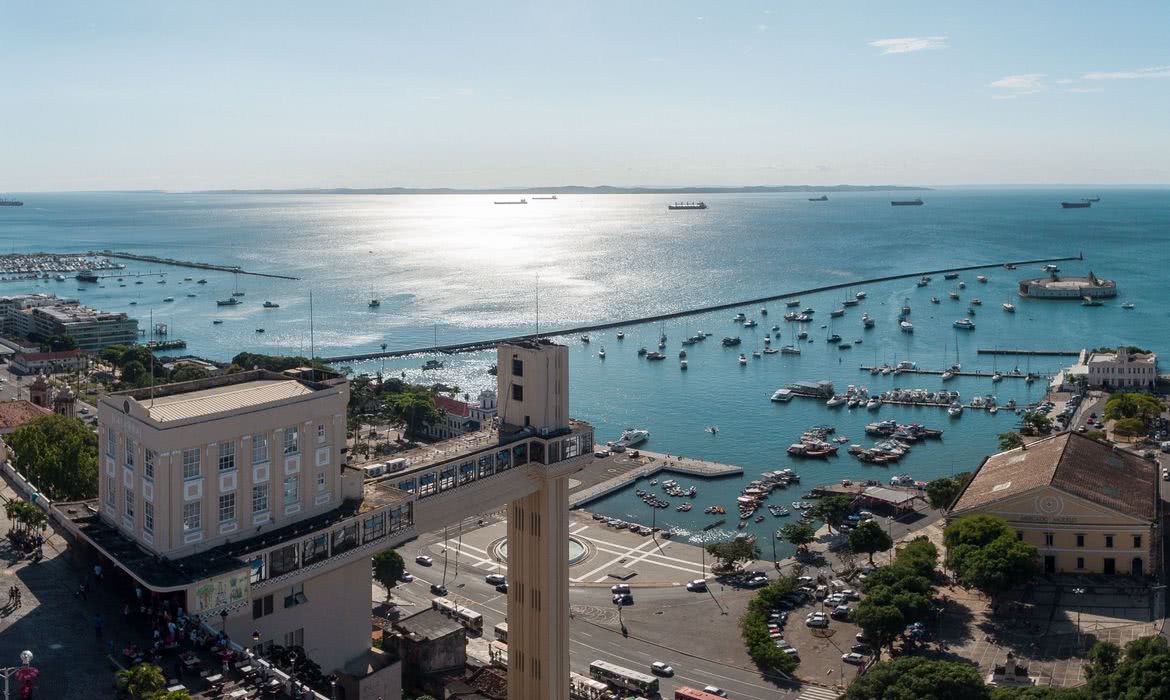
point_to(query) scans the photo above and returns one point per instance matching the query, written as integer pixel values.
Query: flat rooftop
(428, 624)
(221, 399)
(1070, 283)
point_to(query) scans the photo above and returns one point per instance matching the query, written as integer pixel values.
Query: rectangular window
(192, 517)
(129, 503)
(130, 454)
(320, 433)
(227, 456)
(517, 368)
(111, 495)
(1137, 541)
(447, 478)
(1109, 541)
(321, 482)
(1080, 540)
(1048, 539)
(344, 539)
(295, 596)
(517, 392)
(315, 549)
(296, 638)
(227, 507)
(291, 492)
(284, 560)
(259, 449)
(374, 527)
(426, 485)
(191, 463)
(147, 517)
(261, 607)
(290, 441)
(1080, 562)
(148, 463)
(111, 443)
(259, 571)
(260, 498)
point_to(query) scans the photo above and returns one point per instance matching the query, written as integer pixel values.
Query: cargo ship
(10, 203)
(1076, 205)
(687, 205)
(907, 202)
(512, 201)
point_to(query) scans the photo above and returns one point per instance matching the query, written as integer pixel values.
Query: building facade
(1122, 368)
(455, 419)
(92, 330)
(1086, 507)
(1068, 288)
(47, 362)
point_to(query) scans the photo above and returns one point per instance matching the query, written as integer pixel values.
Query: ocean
(458, 268)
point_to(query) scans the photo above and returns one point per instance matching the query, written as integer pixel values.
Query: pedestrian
(97, 572)
(97, 625)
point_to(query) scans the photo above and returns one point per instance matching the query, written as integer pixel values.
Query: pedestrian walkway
(816, 693)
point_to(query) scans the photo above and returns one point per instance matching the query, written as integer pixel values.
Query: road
(593, 630)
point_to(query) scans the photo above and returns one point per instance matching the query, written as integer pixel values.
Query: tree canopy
(869, 538)
(985, 554)
(733, 552)
(833, 510)
(753, 627)
(1010, 441)
(415, 409)
(1143, 407)
(941, 493)
(146, 682)
(274, 363)
(919, 678)
(1139, 672)
(59, 455)
(898, 594)
(388, 568)
(799, 533)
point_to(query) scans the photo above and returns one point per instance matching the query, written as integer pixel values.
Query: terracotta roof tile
(14, 414)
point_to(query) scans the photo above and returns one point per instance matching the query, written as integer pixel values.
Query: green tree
(833, 510)
(1010, 441)
(59, 343)
(134, 373)
(985, 554)
(881, 623)
(188, 373)
(754, 628)
(112, 354)
(415, 409)
(388, 568)
(730, 554)
(1036, 423)
(941, 493)
(1143, 671)
(869, 538)
(1129, 427)
(1043, 692)
(919, 556)
(274, 363)
(1131, 405)
(141, 682)
(799, 533)
(1098, 435)
(59, 455)
(1103, 659)
(919, 678)
(977, 530)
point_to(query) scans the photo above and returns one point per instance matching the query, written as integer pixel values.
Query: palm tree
(141, 681)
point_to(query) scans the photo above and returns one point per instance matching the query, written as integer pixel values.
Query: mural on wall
(221, 592)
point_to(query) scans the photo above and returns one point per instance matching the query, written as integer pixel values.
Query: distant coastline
(576, 189)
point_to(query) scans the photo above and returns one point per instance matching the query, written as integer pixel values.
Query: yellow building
(1086, 507)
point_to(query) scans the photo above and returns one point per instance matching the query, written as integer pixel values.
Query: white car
(659, 668)
(853, 658)
(407, 577)
(601, 453)
(494, 579)
(424, 560)
(622, 588)
(715, 691)
(697, 586)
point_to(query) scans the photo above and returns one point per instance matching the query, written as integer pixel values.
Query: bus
(623, 677)
(585, 688)
(685, 693)
(502, 632)
(466, 616)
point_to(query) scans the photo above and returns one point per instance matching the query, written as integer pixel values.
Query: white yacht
(997, 377)
(955, 410)
(906, 326)
(633, 436)
(742, 359)
(965, 324)
(739, 318)
(873, 404)
(682, 364)
(981, 278)
(601, 353)
(836, 400)
(948, 375)
(1009, 307)
(790, 350)
(783, 395)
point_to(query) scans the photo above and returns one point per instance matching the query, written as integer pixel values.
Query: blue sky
(304, 94)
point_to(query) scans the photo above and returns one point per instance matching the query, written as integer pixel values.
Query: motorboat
(1090, 301)
(997, 377)
(432, 364)
(217, 322)
(231, 301)
(953, 295)
(1009, 307)
(793, 303)
(976, 302)
(682, 364)
(981, 278)
(750, 324)
(790, 350)
(783, 395)
(955, 410)
(1127, 305)
(682, 354)
(770, 351)
(962, 285)
(837, 313)
(168, 298)
(742, 359)
(833, 339)
(906, 326)
(585, 339)
(948, 375)
(601, 353)
(965, 324)
(808, 311)
(632, 437)
(739, 318)
(642, 351)
(859, 295)
(866, 321)
(652, 356)
(802, 335)
(763, 311)
(201, 282)
(620, 335)
(873, 404)
(267, 304)
(755, 354)
(730, 341)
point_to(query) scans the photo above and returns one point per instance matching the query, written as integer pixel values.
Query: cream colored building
(231, 495)
(1121, 369)
(1087, 508)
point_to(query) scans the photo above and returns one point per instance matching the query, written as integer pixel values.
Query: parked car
(698, 585)
(714, 690)
(757, 582)
(841, 612)
(861, 648)
(791, 651)
(407, 577)
(424, 560)
(659, 668)
(601, 453)
(494, 579)
(620, 588)
(817, 622)
(623, 599)
(438, 589)
(853, 658)
(502, 587)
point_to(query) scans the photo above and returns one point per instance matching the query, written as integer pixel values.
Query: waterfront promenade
(479, 345)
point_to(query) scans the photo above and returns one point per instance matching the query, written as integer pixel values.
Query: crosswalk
(812, 692)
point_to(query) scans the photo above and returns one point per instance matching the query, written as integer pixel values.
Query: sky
(209, 94)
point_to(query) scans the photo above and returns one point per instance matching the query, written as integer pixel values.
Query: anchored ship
(1076, 205)
(907, 202)
(687, 205)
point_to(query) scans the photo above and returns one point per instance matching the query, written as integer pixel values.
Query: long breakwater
(480, 345)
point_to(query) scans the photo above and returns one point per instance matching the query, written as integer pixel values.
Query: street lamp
(223, 621)
(1078, 592)
(24, 672)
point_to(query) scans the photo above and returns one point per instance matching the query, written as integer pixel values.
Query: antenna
(312, 338)
(538, 306)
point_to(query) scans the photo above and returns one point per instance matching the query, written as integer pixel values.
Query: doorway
(1110, 566)
(1049, 564)
(1137, 567)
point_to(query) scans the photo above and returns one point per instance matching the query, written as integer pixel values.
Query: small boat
(763, 312)
(682, 364)
(742, 359)
(837, 313)
(712, 429)
(620, 335)
(267, 304)
(584, 339)
(601, 353)
(965, 324)
(641, 351)
(906, 326)
(374, 303)
(790, 350)
(259, 330)
(216, 322)
(981, 278)
(860, 295)
(934, 300)
(755, 354)
(432, 364)
(953, 295)
(186, 279)
(822, 198)
(1127, 305)
(833, 339)
(770, 351)
(1009, 307)
(138, 282)
(976, 302)
(190, 295)
(133, 303)
(750, 324)
(997, 377)
(168, 298)
(1090, 301)
(739, 318)
(866, 321)
(511, 201)
(759, 519)
(792, 304)
(231, 301)
(802, 335)
(951, 276)
(201, 282)
(962, 285)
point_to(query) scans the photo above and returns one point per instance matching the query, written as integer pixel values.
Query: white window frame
(294, 496)
(227, 456)
(193, 516)
(129, 456)
(227, 508)
(148, 517)
(262, 490)
(128, 507)
(148, 456)
(188, 462)
(259, 449)
(291, 446)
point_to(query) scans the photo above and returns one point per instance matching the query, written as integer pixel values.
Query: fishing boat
(231, 301)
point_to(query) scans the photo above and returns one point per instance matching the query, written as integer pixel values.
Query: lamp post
(26, 658)
(223, 621)
(1078, 592)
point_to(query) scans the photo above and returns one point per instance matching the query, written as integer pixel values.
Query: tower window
(517, 392)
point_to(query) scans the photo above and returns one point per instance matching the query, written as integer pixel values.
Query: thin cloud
(909, 44)
(1064, 81)
(1083, 89)
(1017, 85)
(1139, 74)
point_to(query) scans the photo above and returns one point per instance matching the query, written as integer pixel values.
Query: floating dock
(160, 345)
(962, 373)
(479, 345)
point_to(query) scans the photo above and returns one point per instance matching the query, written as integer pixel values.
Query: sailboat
(375, 302)
(237, 292)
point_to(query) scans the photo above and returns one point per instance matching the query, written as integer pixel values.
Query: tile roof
(1074, 464)
(14, 414)
(221, 399)
(452, 406)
